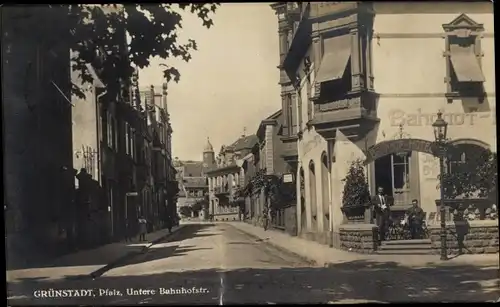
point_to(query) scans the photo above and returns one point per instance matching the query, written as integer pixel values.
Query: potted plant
(356, 196)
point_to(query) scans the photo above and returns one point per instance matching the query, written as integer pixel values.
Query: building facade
(369, 79)
(93, 218)
(38, 172)
(157, 189)
(193, 182)
(271, 155)
(226, 177)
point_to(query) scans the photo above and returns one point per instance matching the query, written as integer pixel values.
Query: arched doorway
(303, 212)
(396, 167)
(325, 199)
(312, 197)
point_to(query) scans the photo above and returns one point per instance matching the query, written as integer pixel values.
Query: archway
(396, 163)
(396, 167)
(325, 199)
(312, 197)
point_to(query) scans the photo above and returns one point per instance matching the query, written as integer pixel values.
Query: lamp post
(440, 129)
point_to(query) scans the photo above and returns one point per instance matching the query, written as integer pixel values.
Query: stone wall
(359, 238)
(478, 237)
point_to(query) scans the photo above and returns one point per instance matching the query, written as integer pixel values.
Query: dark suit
(382, 209)
(415, 218)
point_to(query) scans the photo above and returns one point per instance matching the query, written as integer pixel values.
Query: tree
(185, 211)
(356, 190)
(476, 178)
(199, 205)
(276, 193)
(96, 34)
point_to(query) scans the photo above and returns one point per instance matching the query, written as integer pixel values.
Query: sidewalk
(323, 255)
(93, 262)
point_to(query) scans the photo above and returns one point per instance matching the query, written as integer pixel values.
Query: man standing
(382, 213)
(415, 219)
(128, 230)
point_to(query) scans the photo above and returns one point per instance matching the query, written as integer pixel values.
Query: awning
(337, 51)
(465, 64)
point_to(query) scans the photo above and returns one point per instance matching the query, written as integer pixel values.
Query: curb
(278, 247)
(99, 272)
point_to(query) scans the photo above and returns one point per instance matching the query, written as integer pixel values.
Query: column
(369, 63)
(283, 44)
(356, 74)
(316, 54)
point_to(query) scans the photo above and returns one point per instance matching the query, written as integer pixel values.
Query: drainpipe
(330, 191)
(99, 134)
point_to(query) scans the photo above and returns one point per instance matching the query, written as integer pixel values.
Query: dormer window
(463, 58)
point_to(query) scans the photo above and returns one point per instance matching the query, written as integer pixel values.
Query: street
(217, 264)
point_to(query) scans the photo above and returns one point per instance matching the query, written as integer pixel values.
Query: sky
(231, 84)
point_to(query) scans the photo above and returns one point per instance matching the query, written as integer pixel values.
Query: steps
(405, 247)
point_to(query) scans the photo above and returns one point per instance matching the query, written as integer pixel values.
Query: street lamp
(440, 129)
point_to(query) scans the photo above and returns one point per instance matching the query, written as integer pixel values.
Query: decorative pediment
(463, 22)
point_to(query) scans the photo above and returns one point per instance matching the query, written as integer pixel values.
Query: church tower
(208, 155)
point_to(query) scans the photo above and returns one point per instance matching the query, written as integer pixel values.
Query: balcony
(354, 116)
(220, 191)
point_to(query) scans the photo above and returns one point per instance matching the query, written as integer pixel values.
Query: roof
(269, 120)
(245, 142)
(208, 146)
(275, 115)
(193, 168)
(222, 169)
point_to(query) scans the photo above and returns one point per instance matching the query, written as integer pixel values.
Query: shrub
(356, 191)
(477, 178)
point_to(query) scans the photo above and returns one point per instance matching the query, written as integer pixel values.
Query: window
(464, 74)
(393, 173)
(289, 113)
(464, 157)
(110, 129)
(127, 138)
(334, 74)
(115, 134)
(132, 143)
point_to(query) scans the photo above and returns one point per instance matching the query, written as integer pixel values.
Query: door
(401, 178)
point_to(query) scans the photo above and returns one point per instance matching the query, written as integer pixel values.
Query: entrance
(392, 172)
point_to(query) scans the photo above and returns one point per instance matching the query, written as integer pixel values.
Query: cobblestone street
(216, 263)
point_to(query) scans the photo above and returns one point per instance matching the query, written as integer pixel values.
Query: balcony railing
(221, 190)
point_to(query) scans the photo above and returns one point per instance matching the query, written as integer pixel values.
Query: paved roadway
(217, 264)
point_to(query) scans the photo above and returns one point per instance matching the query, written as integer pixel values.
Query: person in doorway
(416, 217)
(142, 228)
(382, 213)
(170, 221)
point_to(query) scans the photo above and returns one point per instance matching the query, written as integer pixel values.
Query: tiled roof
(193, 169)
(245, 142)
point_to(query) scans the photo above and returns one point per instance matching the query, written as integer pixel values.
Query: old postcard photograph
(250, 153)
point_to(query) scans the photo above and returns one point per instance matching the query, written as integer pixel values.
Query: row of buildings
(364, 80)
(77, 169)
